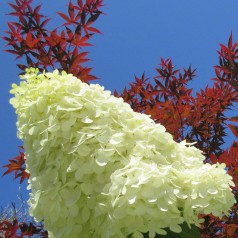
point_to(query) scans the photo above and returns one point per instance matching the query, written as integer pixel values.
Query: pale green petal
(85, 214)
(137, 234)
(175, 228)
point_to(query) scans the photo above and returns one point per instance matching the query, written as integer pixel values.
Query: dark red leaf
(230, 44)
(92, 29)
(71, 10)
(234, 130)
(65, 17)
(17, 166)
(44, 23)
(233, 119)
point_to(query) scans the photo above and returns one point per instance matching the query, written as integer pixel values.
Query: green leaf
(186, 233)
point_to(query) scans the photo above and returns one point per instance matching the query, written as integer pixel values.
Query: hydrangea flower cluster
(98, 169)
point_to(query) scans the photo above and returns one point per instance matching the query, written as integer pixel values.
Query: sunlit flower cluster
(99, 169)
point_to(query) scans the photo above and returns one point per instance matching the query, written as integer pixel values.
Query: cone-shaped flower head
(98, 169)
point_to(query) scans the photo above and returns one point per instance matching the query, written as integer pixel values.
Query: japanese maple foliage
(16, 229)
(194, 116)
(16, 223)
(17, 165)
(60, 48)
(169, 101)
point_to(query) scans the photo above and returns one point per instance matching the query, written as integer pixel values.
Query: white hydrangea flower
(99, 169)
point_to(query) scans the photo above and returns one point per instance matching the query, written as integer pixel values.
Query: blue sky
(136, 33)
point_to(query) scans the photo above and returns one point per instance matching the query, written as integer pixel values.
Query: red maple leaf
(17, 166)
